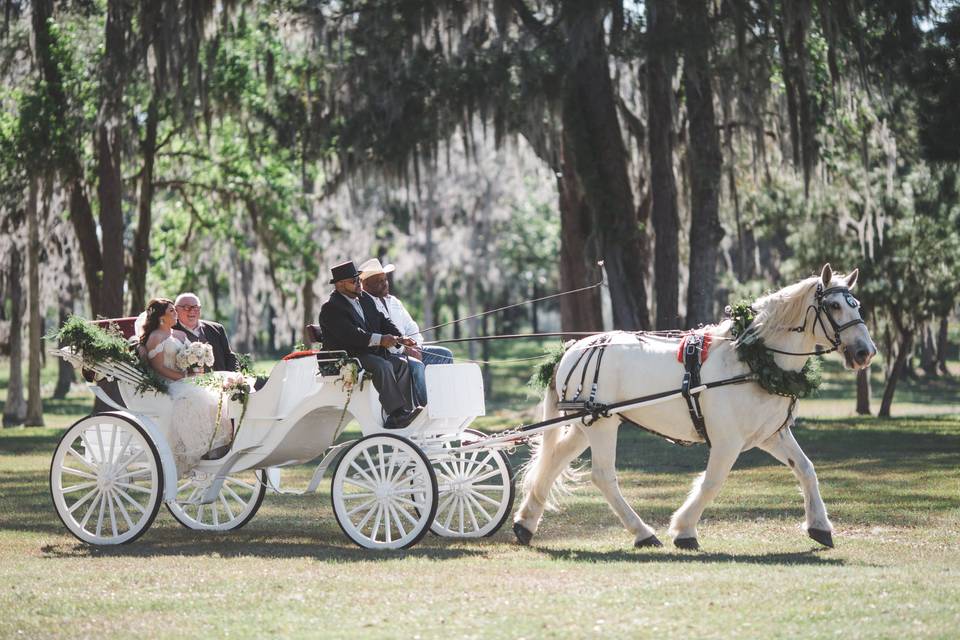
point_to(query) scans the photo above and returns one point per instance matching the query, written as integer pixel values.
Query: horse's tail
(542, 448)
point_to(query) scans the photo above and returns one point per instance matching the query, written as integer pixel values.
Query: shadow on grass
(237, 547)
(810, 557)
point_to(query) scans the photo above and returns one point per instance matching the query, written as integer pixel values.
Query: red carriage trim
(683, 343)
(300, 354)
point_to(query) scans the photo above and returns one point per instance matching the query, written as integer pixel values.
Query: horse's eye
(835, 306)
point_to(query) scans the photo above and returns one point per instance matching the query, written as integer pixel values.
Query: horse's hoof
(524, 535)
(822, 536)
(652, 541)
(687, 544)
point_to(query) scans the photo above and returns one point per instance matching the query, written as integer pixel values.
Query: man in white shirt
(373, 275)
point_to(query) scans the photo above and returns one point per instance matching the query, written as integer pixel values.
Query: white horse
(816, 312)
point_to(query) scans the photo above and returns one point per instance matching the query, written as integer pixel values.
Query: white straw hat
(373, 267)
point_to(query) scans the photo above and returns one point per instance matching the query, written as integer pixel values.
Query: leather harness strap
(693, 349)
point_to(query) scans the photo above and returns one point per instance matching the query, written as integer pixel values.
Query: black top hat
(343, 271)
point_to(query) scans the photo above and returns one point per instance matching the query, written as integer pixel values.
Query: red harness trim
(703, 354)
(299, 354)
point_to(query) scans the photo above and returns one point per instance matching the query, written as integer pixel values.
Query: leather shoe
(401, 418)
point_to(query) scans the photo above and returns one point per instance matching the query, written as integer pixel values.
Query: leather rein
(820, 311)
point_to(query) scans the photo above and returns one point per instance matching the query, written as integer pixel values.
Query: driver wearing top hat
(350, 321)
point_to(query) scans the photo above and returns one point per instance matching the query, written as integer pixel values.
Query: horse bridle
(820, 310)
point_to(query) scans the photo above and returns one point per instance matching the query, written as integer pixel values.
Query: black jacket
(215, 335)
(343, 328)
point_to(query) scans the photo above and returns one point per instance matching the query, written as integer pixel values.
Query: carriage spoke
(376, 523)
(477, 494)
(478, 506)
(226, 506)
(133, 487)
(184, 485)
(126, 495)
(489, 487)
(200, 509)
(383, 471)
(398, 467)
(78, 487)
(486, 476)
(363, 473)
(473, 517)
(387, 527)
(103, 501)
(87, 449)
(245, 485)
(372, 468)
(358, 496)
(77, 472)
(76, 505)
(134, 473)
(130, 459)
(233, 494)
(73, 452)
(113, 514)
(403, 500)
(461, 501)
(103, 455)
(216, 514)
(361, 506)
(359, 483)
(446, 523)
(123, 511)
(396, 520)
(90, 510)
(113, 443)
(367, 517)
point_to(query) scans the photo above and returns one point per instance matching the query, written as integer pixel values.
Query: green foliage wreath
(752, 351)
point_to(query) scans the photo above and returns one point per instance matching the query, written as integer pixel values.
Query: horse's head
(838, 323)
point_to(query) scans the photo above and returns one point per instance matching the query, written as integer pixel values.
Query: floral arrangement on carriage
(95, 350)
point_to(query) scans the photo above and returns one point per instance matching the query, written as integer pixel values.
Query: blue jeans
(431, 355)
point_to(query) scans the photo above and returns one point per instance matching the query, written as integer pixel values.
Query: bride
(194, 429)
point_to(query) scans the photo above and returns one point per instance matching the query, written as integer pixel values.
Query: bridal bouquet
(194, 356)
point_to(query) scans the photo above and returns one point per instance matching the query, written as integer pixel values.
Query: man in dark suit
(350, 321)
(213, 333)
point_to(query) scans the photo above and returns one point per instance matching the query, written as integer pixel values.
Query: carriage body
(296, 417)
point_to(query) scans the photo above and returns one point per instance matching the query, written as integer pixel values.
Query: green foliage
(543, 374)
(752, 351)
(95, 344)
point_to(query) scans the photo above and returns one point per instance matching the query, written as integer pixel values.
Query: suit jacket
(343, 328)
(215, 335)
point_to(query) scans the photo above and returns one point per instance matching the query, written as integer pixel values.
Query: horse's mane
(782, 309)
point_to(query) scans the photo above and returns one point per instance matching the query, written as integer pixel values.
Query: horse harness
(693, 351)
(820, 310)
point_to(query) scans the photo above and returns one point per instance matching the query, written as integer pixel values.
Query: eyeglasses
(189, 308)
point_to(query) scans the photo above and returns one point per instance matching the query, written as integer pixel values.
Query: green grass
(892, 488)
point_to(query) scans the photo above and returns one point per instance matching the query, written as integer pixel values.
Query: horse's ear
(826, 276)
(852, 278)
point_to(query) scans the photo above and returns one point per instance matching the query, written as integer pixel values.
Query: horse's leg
(557, 451)
(783, 446)
(603, 451)
(683, 524)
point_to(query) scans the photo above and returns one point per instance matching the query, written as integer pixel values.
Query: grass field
(892, 488)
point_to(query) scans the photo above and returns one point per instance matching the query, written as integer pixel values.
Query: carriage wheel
(475, 490)
(106, 480)
(239, 499)
(384, 492)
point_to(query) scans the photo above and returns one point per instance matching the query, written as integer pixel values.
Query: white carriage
(112, 470)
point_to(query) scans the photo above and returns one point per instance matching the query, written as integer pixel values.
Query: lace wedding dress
(194, 420)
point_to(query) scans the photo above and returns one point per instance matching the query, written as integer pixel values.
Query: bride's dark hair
(156, 308)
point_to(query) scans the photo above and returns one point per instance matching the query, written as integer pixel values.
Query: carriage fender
(167, 462)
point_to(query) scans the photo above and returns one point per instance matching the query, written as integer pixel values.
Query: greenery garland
(95, 344)
(752, 351)
(543, 374)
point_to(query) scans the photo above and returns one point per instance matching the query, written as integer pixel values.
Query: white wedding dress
(193, 423)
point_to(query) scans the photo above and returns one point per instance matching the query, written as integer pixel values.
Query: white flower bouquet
(194, 356)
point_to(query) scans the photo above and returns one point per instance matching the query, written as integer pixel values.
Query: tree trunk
(661, 67)
(65, 371)
(141, 239)
(580, 311)
(85, 227)
(706, 164)
(15, 408)
(429, 289)
(904, 347)
(35, 401)
(598, 157)
(942, 346)
(863, 392)
(928, 352)
(109, 143)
